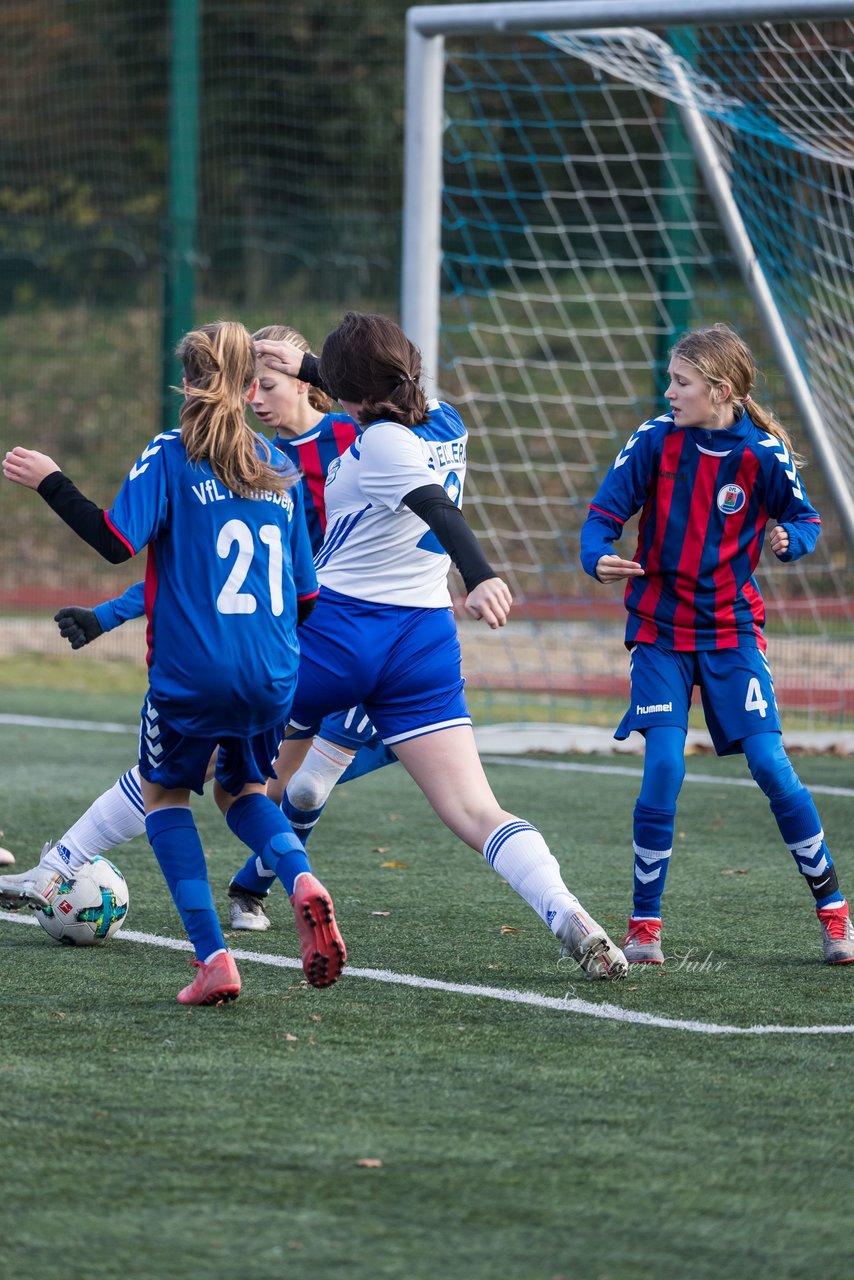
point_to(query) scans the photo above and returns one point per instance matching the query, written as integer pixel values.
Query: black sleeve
(304, 608)
(309, 371)
(81, 515)
(435, 508)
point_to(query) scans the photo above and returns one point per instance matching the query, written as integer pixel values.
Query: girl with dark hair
(383, 631)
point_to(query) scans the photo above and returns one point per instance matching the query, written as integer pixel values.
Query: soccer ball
(89, 907)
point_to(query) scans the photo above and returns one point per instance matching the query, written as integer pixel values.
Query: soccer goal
(583, 182)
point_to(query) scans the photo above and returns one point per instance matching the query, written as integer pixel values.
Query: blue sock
(177, 847)
(653, 845)
(800, 827)
(254, 877)
(795, 814)
(261, 825)
(301, 820)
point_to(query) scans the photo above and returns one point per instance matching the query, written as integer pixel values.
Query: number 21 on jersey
(231, 599)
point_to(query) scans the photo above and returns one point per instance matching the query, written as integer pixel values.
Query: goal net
(580, 235)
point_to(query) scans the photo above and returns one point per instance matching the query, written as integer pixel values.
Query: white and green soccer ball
(88, 907)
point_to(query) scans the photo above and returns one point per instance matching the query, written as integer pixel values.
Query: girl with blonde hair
(707, 478)
(228, 575)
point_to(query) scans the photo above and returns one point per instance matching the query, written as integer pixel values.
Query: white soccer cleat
(837, 934)
(7, 858)
(34, 888)
(246, 910)
(591, 948)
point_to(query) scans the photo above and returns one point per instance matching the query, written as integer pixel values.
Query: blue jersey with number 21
(221, 586)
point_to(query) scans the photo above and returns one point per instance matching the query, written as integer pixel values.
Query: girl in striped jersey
(707, 477)
(383, 631)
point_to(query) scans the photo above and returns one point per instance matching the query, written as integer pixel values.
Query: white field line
(565, 1004)
(623, 771)
(541, 762)
(80, 726)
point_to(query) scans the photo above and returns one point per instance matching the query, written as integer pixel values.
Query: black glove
(78, 625)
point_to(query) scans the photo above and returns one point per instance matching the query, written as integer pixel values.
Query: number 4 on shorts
(754, 700)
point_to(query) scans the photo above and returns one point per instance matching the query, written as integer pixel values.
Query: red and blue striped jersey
(705, 498)
(313, 453)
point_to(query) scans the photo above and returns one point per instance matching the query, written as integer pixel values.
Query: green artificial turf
(145, 1139)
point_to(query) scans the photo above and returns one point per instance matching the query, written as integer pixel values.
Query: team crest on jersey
(731, 498)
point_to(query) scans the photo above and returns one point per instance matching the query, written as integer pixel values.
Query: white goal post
(427, 28)
(584, 179)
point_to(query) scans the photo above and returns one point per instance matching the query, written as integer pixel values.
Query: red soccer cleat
(323, 951)
(216, 982)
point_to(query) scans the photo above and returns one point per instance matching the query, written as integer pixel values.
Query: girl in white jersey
(383, 630)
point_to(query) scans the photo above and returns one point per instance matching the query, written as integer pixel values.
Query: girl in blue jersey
(229, 557)
(383, 632)
(707, 477)
(312, 436)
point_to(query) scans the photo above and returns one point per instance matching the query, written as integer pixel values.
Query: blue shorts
(170, 759)
(403, 664)
(370, 756)
(350, 728)
(735, 685)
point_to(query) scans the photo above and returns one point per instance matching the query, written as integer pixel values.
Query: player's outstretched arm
(489, 597)
(37, 471)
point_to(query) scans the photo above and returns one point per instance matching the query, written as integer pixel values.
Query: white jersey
(375, 548)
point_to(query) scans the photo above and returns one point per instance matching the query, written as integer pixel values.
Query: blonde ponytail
(219, 366)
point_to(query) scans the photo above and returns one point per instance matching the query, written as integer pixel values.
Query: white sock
(520, 855)
(115, 817)
(310, 786)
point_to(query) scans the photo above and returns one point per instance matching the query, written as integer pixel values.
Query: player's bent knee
(307, 790)
(770, 767)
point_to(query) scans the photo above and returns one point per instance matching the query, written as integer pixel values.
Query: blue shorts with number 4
(735, 685)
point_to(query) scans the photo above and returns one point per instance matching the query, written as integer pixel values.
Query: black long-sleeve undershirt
(309, 371)
(435, 508)
(83, 516)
